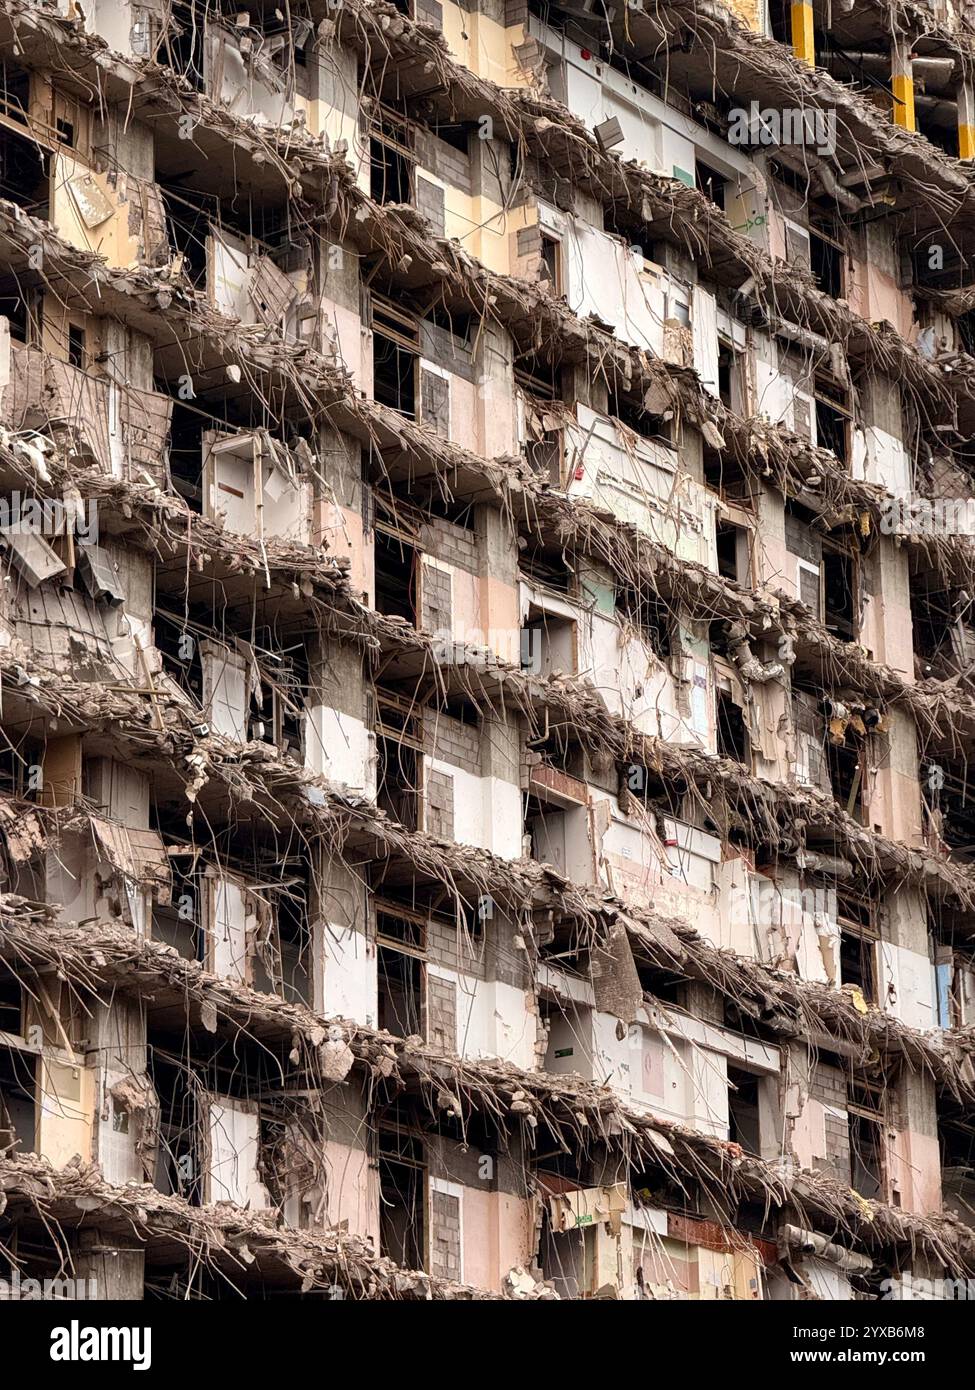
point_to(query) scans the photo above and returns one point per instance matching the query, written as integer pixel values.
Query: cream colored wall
(483, 45)
(67, 1110)
(499, 1234)
(353, 1190)
(484, 228)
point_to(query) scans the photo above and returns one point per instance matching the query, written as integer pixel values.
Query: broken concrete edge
(687, 208)
(165, 524)
(326, 390)
(771, 814)
(373, 25)
(753, 58)
(776, 1000)
(221, 1236)
(576, 1110)
(784, 1004)
(769, 451)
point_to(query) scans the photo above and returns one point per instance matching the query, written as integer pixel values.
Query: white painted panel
(229, 276)
(502, 817)
(704, 323)
(224, 690)
(494, 1020)
(350, 988)
(341, 748)
(117, 1133)
(912, 977)
(231, 488)
(229, 928)
(232, 1173)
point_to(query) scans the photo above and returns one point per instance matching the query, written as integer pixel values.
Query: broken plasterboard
(36, 560)
(93, 204)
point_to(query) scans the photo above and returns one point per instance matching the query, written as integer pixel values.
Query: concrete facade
(485, 652)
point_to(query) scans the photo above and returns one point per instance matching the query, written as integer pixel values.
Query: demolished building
(485, 648)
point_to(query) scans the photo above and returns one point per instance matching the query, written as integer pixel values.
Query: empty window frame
(553, 263)
(545, 826)
(402, 1198)
(652, 615)
(648, 426)
(180, 1155)
(276, 710)
(549, 643)
(859, 935)
(828, 264)
(399, 749)
(180, 922)
(11, 1003)
(865, 1111)
(726, 477)
(18, 1101)
(833, 419)
(22, 307)
(25, 172)
(395, 356)
(732, 732)
(18, 1072)
(731, 377)
(712, 184)
(392, 161)
(77, 350)
(401, 970)
(288, 948)
(546, 457)
(780, 21)
(847, 762)
(397, 573)
(734, 548)
(744, 1110)
(840, 590)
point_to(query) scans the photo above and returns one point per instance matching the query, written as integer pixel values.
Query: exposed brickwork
(452, 742)
(430, 201)
(435, 403)
(435, 595)
(440, 805)
(449, 350)
(454, 545)
(450, 164)
(455, 950)
(430, 12)
(829, 1087)
(444, 1236)
(528, 241)
(442, 1013)
(802, 541)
